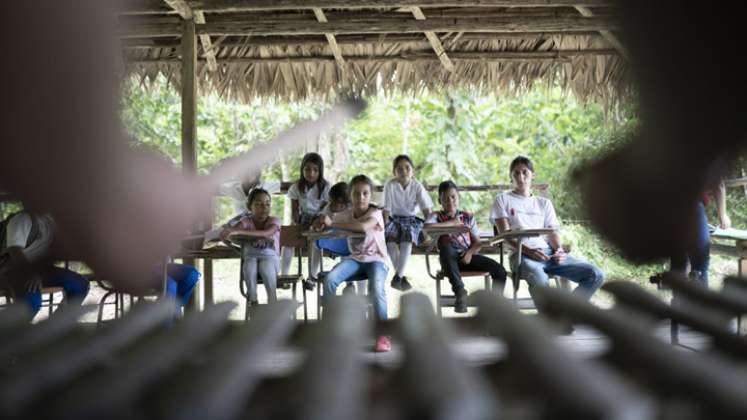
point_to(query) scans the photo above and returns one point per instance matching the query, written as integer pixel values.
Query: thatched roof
(285, 49)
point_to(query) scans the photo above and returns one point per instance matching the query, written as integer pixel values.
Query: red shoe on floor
(383, 344)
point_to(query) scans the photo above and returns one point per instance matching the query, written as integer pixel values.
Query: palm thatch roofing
(293, 49)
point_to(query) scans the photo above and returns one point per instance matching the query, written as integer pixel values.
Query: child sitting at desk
(459, 251)
(339, 200)
(519, 209)
(367, 254)
(261, 249)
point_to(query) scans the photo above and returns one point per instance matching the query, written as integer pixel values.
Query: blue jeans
(698, 253)
(75, 286)
(536, 273)
(351, 270)
(181, 281)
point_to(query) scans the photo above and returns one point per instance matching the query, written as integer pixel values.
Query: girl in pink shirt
(260, 234)
(368, 254)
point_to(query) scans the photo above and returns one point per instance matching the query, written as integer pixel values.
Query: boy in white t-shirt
(541, 257)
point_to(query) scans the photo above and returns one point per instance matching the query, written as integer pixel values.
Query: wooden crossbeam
(181, 7)
(606, 34)
(321, 18)
(487, 56)
(140, 43)
(207, 45)
(372, 26)
(186, 12)
(434, 41)
(147, 7)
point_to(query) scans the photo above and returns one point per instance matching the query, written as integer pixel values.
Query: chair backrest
(290, 236)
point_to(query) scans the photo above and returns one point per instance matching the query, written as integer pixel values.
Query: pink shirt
(261, 247)
(373, 246)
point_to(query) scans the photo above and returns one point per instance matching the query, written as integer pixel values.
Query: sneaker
(383, 344)
(349, 289)
(460, 304)
(404, 284)
(284, 285)
(308, 284)
(396, 282)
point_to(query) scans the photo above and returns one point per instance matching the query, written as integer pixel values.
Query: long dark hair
(321, 183)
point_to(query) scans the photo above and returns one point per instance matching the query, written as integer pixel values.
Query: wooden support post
(322, 18)
(606, 34)
(189, 114)
(207, 275)
(435, 42)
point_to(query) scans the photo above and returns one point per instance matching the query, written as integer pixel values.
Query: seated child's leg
(392, 249)
(76, 286)
(449, 258)
(483, 263)
(533, 272)
(316, 261)
(250, 277)
(286, 254)
(588, 276)
(33, 300)
(343, 271)
(268, 269)
(405, 249)
(186, 278)
(376, 272)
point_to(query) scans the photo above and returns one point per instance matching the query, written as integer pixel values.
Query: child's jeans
(267, 269)
(75, 286)
(350, 270)
(536, 273)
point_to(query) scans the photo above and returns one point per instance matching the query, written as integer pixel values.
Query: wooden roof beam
(434, 41)
(186, 12)
(607, 34)
(148, 7)
(336, 51)
(372, 26)
(471, 56)
(144, 43)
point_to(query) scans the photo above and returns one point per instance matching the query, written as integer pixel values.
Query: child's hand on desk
(324, 222)
(534, 254)
(224, 233)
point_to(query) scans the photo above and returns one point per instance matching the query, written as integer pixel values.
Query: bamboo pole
(189, 118)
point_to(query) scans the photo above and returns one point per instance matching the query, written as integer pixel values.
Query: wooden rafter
(147, 7)
(336, 51)
(187, 13)
(607, 34)
(493, 25)
(486, 56)
(207, 45)
(435, 42)
(139, 43)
